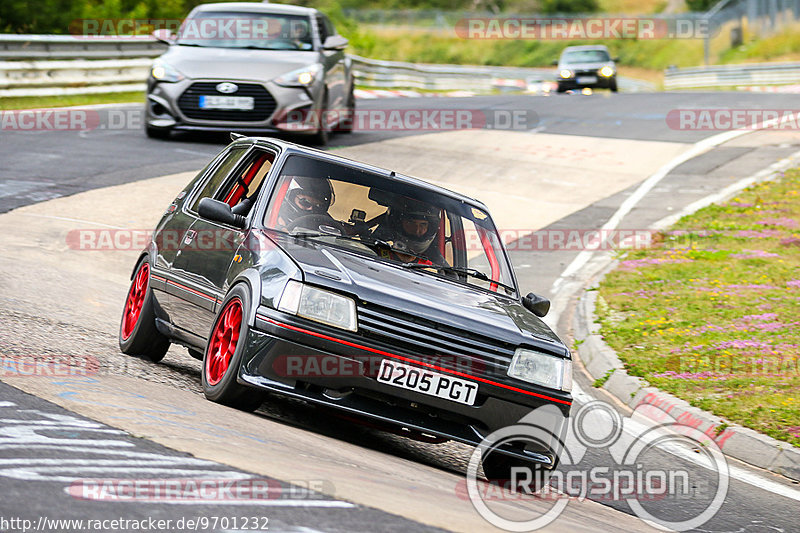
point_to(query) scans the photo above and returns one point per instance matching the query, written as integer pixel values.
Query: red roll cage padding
(440, 236)
(489, 250)
(237, 192)
(276, 206)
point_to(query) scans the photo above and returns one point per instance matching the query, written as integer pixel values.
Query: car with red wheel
(297, 272)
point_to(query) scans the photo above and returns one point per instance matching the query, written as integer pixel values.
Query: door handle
(189, 236)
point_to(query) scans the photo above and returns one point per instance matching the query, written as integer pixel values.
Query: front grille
(189, 102)
(441, 345)
(586, 72)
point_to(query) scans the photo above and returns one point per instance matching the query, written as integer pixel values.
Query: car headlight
(542, 369)
(302, 77)
(319, 305)
(165, 72)
(606, 71)
(565, 73)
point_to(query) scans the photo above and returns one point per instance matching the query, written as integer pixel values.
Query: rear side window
(219, 174)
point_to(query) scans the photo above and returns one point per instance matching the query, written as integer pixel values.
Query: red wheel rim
(135, 302)
(222, 344)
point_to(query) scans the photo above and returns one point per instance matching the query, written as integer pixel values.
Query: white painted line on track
(635, 429)
(67, 219)
(254, 502)
(191, 152)
(647, 185)
(728, 191)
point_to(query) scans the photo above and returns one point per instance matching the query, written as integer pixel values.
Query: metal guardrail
(755, 74)
(47, 65)
(21, 47)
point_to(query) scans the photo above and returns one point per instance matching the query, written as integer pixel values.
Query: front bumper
(342, 375)
(166, 110)
(600, 82)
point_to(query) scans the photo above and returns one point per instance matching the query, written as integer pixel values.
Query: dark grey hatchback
(293, 271)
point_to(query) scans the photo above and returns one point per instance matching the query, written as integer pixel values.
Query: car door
(208, 248)
(334, 63)
(187, 299)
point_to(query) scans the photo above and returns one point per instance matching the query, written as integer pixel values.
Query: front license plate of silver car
(427, 382)
(240, 103)
(587, 79)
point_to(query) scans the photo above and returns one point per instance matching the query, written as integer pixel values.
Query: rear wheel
(223, 355)
(138, 334)
(346, 125)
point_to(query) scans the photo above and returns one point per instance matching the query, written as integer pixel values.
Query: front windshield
(263, 31)
(586, 56)
(390, 220)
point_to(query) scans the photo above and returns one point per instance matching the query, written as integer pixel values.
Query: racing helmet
(295, 204)
(408, 209)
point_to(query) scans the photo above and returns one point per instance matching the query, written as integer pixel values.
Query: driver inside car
(306, 197)
(412, 226)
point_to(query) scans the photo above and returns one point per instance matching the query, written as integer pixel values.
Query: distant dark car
(252, 68)
(294, 271)
(586, 66)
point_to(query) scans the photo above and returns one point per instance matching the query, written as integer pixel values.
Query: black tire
(322, 136)
(561, 89)
(346, 126)
(613, 86)
(197, 354)
(138, 335)
(497, 468)
(219, 382)
(156, 133)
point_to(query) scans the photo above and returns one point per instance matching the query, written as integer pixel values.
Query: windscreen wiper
(471, 272)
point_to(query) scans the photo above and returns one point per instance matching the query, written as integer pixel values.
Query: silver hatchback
(251, 68)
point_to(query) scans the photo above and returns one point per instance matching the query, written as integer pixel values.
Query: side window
(322, 29)
(219, 174)
(246, 184)
(328, 25)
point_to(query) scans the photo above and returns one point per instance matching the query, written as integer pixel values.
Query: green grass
(711, 312)
(34, 102)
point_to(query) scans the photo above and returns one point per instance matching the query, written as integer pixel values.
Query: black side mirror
(538, 305)
(335, 42)
(615, 59)
(219, 212)
(554, 62)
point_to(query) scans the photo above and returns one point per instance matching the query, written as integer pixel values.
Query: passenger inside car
(413, 226)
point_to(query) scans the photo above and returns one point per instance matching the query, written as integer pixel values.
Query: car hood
(419, 294)
(236, 64)
(587, 66)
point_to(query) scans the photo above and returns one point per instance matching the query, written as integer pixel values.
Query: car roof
(389, 174)
(254, 7)
(586, 47)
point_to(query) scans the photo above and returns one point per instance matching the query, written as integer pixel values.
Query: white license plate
(243, 103)
(587, 79)
(427, 382)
